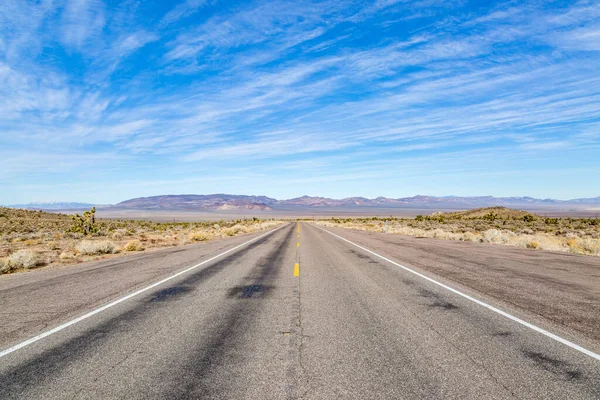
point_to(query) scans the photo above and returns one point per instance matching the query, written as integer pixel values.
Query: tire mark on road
(195, 377)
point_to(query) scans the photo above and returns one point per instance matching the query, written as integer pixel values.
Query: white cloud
(585, 38)
(81, 21)
(182, 10)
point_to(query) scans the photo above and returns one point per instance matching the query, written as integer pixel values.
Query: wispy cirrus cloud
(81, 21)
(182, 10)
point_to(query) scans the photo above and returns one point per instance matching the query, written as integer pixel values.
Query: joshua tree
(85, 224)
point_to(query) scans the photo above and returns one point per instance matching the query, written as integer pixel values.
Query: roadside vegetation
(496, 225)
(30, 239)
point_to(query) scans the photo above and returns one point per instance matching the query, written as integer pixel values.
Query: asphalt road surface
(299, 312)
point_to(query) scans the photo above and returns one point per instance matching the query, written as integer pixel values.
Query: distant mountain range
(53, 205)
(195, 202)
(263, 203)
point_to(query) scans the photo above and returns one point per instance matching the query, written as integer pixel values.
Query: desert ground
(31, 239)
(299, 212)
(496, 225)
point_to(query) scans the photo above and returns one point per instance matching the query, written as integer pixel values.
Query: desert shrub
(529, 218)
(534, 244)
(588, 246)
(23, 259)
(494, 236)
(545, 242)
(234, 230)
(133, 245)
(470, 237)
(572, 242)
(199, 236)
(229, 231)
(119, 233)
(67, 255)
(491, 216)
(4, 265)
(419, 218)
(442, 234)
(53, 245)
(91, 247)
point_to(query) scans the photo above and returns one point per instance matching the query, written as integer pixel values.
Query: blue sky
(104, 101)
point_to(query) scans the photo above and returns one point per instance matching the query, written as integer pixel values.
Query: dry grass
(49, 238)
(496, 225)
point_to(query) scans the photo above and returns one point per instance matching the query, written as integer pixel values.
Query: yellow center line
(297, 265)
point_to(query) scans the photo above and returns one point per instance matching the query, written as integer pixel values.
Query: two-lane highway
(293, 313)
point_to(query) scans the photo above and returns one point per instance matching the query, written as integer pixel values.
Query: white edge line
(481, 303)
(124, 298)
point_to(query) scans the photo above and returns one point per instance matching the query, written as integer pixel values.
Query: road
(299, 312)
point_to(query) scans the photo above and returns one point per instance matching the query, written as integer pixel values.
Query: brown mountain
(198, 202)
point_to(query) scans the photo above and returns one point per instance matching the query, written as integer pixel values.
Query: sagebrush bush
(22, 259)
(4, 265)
(234, 230)
(199, 236)
(133, 245)
(92, 247)
(494, 236)
(589, 246)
